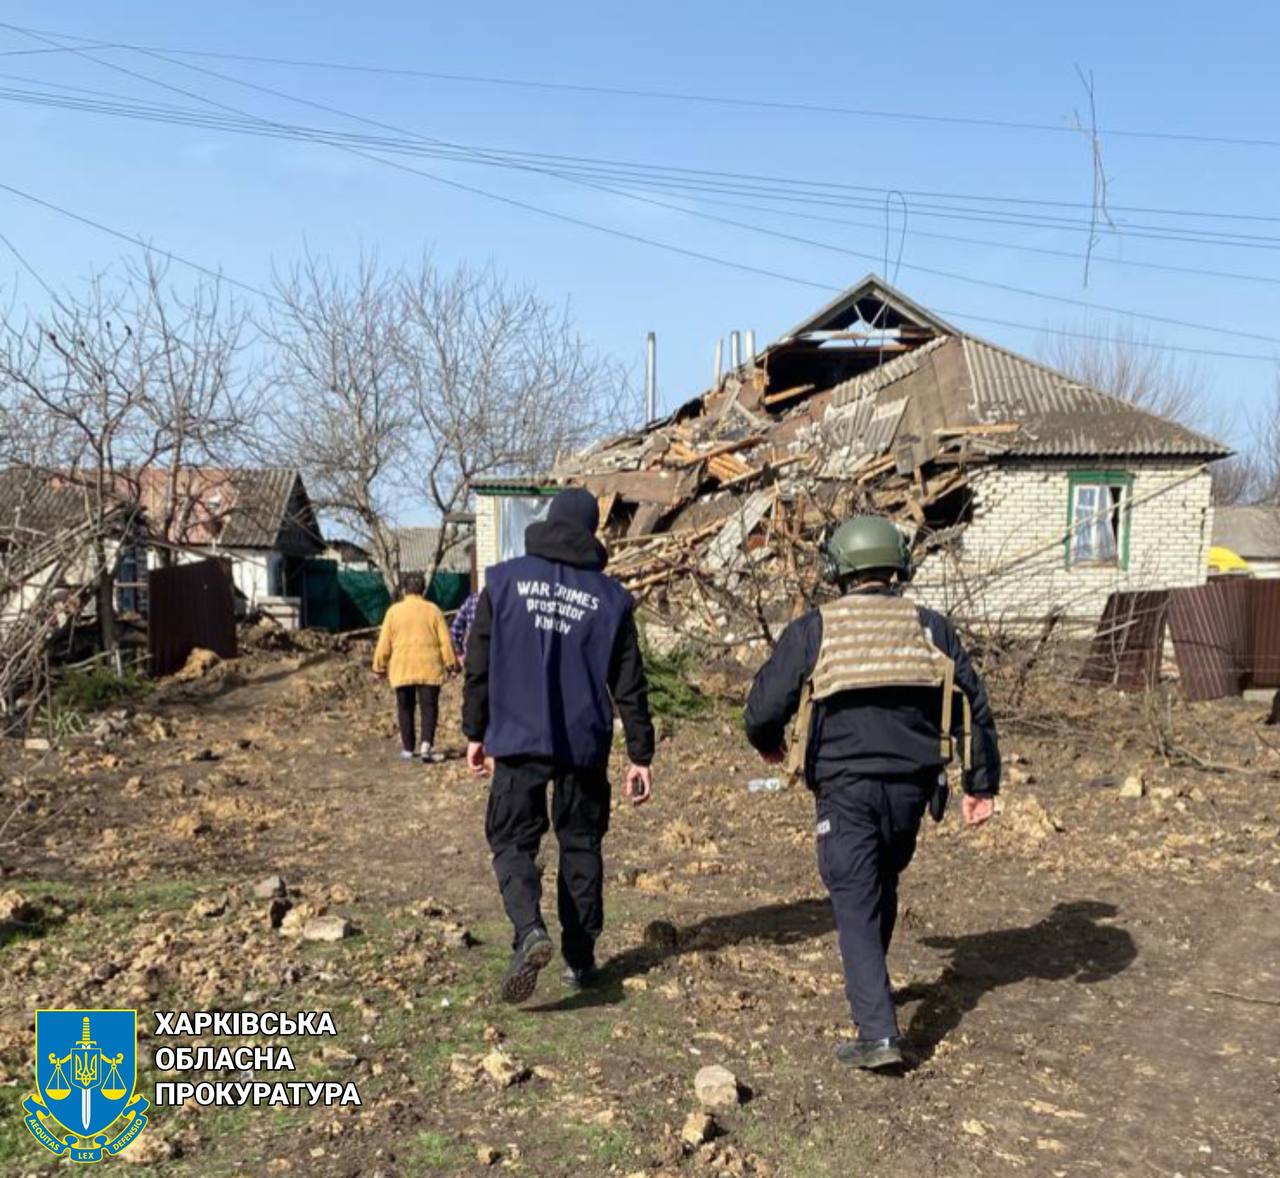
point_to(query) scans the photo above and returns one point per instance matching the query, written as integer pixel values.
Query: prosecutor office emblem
(84, 1104)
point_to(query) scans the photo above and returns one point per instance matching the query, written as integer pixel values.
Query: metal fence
(1225, 634)
(191, 605)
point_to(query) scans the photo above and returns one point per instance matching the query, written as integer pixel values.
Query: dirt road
(1090, 985)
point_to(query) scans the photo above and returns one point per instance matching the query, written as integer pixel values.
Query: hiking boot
(528, 961)
(577, 980)
(870, 1053)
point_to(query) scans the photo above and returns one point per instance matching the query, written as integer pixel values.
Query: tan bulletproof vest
(874, 640)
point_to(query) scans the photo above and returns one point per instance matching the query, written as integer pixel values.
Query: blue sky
(242, 203)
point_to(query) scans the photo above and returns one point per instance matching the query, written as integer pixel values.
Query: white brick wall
(1010, 568)
(487, 547)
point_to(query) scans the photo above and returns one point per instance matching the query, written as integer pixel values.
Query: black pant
(514, 825)
(866, 837)
(427, 697)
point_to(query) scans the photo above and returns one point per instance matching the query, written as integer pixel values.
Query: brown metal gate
(191, 605)
(1226, 637)
(1265, 620)
(1125, 651)
(1209, 626)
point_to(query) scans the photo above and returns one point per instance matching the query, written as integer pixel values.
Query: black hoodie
(572, 548)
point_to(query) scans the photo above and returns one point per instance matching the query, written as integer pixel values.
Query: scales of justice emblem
(94, 1057)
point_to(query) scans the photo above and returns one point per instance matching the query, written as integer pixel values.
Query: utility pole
(651, 378)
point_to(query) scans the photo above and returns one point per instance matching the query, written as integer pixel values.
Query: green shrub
(90, 689)
(671, 694)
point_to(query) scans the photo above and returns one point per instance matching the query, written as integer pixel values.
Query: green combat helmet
(866, 542)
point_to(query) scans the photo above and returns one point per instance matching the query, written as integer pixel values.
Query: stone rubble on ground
(1133, 787)
(327, 928)
(502, 1069)
(698, 1127)
(269, 888)
(716, 1088)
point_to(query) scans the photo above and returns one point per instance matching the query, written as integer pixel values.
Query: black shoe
(870, 1053)
(577, 980)
(530, 959)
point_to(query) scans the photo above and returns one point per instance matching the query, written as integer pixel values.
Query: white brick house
(1068, 493)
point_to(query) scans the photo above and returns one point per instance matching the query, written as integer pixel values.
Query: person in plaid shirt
(460, 627)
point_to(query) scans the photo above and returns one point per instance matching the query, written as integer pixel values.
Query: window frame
(1100, 478)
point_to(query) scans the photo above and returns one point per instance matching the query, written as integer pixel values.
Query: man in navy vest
(552, 649)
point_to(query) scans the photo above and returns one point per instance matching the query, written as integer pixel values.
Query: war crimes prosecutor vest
(554, 630)
(870, 641)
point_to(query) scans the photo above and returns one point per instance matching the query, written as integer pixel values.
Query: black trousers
(514, 825)
(866, 837)
(427, 698)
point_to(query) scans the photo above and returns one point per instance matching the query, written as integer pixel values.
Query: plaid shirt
(460, 627)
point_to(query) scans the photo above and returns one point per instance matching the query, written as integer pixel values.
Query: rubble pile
(714, 517)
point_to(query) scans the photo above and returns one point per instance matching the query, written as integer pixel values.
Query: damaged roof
(957, 379)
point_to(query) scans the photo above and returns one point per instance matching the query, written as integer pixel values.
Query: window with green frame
(1098, 517)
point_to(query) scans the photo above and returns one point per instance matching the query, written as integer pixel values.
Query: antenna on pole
(651, 377)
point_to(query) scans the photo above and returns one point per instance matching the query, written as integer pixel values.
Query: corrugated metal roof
(418, 547)
(1063, 417)
(866, 383)
(268, 504)
(29, 505)
(1248, 531)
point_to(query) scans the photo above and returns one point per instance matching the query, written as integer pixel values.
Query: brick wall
(1010, 568)
(487, 549)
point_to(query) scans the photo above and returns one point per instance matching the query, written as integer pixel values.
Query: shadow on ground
(1070, 944)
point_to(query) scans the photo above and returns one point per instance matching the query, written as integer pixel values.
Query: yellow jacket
(414, 646)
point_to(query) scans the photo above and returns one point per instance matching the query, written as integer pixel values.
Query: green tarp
(335, 598)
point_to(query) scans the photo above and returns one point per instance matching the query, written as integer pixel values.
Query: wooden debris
(717, 518)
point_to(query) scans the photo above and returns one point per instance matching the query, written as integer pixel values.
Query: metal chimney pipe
(735, 351)
(715, 383)
(750, 357)
(651, 377)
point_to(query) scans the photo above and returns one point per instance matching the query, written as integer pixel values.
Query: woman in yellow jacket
(415, 652)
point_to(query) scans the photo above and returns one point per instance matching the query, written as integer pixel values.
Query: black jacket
(577, 549)
(876, 732)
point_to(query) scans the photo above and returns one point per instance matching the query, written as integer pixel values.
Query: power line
(27, 266)
(879, 192)
(734, 223)
(566, 167)
(138, 241)
(1007, 287)
(663, 95)
(626, 235)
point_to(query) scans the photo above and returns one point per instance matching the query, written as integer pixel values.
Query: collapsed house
(1025, 493)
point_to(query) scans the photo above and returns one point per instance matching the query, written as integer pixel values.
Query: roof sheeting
(418, 549)
(31, 506)
(1248, 531)
(270, 510)
(1063, 417)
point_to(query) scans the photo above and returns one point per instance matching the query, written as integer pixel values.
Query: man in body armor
(886, 698)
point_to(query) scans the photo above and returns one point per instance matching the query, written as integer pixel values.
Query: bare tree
(1233, 480)
(1264, 450)
(1252, 476)
(344, 413)
(502, 382)
(106, 390)
(1119, 359)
